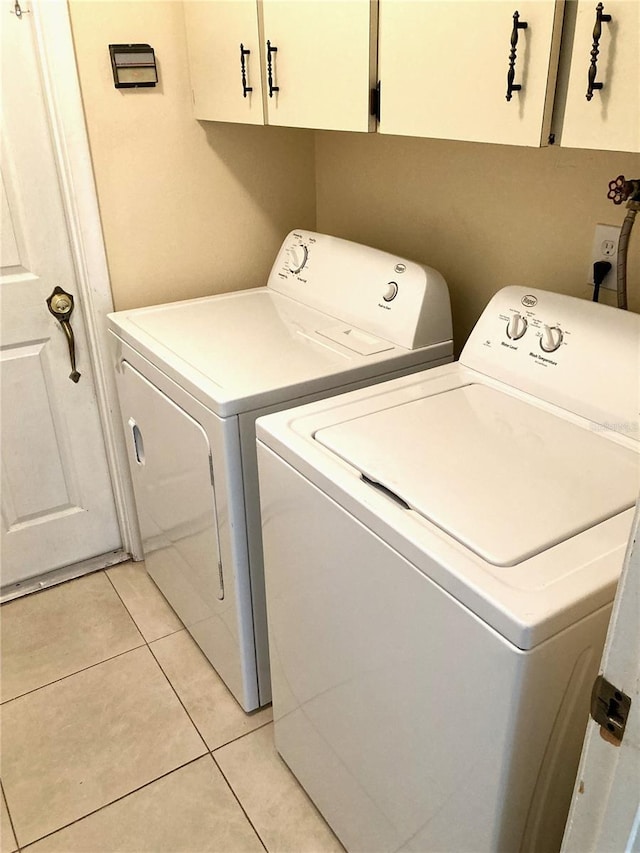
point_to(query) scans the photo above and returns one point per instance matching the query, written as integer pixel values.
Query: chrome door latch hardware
(610, 708)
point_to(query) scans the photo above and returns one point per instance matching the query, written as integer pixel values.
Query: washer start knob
(390, 291)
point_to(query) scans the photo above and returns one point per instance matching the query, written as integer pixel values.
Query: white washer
(441, 552)
(193, 376)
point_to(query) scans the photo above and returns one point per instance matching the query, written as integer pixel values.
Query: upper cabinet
(477, 71)
(298, 63)
(320, 63)
(514, 72)
(223, 40)
(601, 97)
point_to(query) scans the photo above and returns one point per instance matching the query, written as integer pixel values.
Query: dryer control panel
(577, 354)
(396, 299)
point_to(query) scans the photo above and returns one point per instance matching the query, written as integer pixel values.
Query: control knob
(390, 291)
(551, 338)
(517, 326)
(298, 256)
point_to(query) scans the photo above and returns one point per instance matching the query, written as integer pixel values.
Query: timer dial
(516, 327)
(390, 291)
(551, 338)
(298, 256)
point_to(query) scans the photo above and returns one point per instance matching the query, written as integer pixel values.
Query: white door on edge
(57, 500)
(605, 811)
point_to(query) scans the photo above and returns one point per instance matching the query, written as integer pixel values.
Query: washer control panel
(535, 327)
(398, 300)
(550, 337)
(575, 353)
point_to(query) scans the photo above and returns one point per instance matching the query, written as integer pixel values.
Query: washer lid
(506, 479)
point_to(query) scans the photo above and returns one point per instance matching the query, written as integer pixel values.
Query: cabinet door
(217, 32)
(610, 119)
(322, 63)
(443, 67)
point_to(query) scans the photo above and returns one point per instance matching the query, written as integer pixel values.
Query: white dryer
(441, 552)
(193, 376)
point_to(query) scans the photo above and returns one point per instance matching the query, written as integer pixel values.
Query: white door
(444, 69)
(320, 63)
(605, 812)
(57, 500)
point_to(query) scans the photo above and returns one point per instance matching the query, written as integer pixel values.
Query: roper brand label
(529, 300)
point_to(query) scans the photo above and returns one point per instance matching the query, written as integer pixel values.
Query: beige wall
(187, 208)
(191, 208)
(484, 215)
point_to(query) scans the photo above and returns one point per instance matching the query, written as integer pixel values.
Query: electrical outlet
(605, 248)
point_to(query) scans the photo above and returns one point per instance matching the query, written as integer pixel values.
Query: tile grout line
(117, 800)
(159, 665)
(186, 710)
(13, 829)
(239, 737)
(148, 643)
(209, 751)
(131, 616)
(71, 674)
(144, 643)
(178, 697)
(90, 666)
(237, 798)
(206, 752)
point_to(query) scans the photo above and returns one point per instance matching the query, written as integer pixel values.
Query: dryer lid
(505, 478)
(238, 351)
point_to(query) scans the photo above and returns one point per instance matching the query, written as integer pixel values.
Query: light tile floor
(118, 736)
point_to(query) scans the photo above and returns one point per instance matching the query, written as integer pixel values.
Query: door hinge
(610, 708)
(375, 102)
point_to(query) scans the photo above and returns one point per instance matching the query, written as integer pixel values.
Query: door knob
(60, 304)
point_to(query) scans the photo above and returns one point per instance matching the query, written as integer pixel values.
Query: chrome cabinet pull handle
(511, 73)
(60, 304)
(244, 52)
(271, 50)
(595, 50)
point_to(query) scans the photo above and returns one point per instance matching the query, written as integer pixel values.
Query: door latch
(60, 304)
(610, 708)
